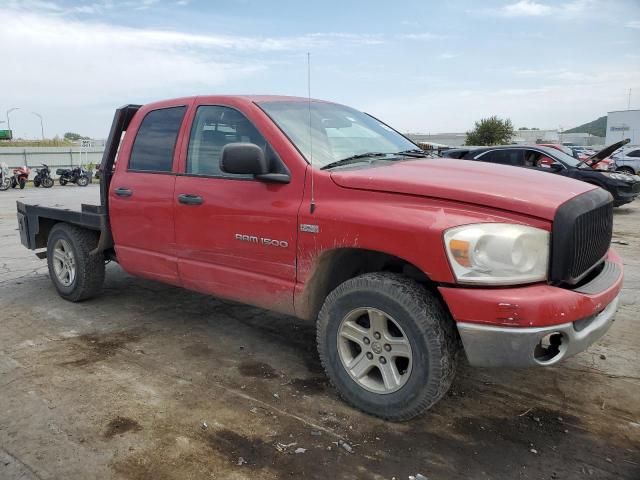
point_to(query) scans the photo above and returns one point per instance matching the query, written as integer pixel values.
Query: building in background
(623, 124)
(449, 139)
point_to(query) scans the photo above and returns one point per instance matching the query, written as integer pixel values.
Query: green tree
(74, 137)
(490, 131)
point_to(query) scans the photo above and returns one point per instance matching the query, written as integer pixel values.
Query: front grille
(591, 239)
(582, 231)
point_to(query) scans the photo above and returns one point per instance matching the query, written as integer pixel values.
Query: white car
(627, 159)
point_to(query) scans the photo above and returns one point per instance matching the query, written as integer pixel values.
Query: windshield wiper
(354, 159)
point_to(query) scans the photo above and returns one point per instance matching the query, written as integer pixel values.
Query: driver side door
(235, 235)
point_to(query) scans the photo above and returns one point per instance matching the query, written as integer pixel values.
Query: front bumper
(626, 193)
(503, 327)
(488, 346)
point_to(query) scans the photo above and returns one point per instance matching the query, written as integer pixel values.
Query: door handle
(189, 199)
(123, 192)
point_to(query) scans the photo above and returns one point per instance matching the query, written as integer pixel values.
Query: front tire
(627, 170)
(75, 272)
(387, 344)
(47, 182)
(23, 183)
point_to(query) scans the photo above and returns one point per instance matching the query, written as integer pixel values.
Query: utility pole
(41, 124)
(8, 112)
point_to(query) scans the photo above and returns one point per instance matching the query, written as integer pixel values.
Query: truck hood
(520, 190)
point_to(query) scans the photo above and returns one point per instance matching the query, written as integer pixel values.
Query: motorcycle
(43, 177)
(5, 179)
(20, 176)
(77, 175)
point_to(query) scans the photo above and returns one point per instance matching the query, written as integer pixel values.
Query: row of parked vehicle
(43, 178)
(601, 168)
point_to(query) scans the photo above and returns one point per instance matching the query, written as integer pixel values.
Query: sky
(421, 66)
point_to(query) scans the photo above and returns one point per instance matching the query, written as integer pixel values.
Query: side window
(156, 140)
(503, 157)
(634, 154)
(213, 128)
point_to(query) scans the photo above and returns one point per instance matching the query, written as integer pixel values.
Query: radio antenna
(312, 205)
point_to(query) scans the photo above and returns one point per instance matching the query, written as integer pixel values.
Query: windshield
(337, 132)
(563, 157)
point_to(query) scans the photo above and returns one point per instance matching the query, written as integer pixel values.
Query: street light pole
(41, 124)
(8, 112)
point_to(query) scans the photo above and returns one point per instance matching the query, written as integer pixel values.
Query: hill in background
(597, 127)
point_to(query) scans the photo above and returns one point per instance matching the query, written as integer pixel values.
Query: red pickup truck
(317, 210)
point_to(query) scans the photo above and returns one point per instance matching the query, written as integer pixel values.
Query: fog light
(549, 347)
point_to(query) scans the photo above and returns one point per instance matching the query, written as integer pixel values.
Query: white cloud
(526, 8)
(422, 36)
(58, 64)
(633, 24)
(447, 56)
(533, 8)
(545, 104)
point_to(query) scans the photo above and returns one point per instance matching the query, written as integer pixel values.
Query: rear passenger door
(141, 195)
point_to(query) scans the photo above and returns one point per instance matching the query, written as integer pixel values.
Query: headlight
(497, 253)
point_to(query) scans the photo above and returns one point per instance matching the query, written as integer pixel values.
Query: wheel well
(337, 266)
(44, 228)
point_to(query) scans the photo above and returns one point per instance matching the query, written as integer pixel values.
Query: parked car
(627, 160)
(317, 210)
(582, 154)
(624, 188)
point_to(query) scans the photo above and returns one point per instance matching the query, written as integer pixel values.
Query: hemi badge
(306, 227)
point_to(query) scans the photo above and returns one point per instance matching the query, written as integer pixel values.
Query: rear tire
(627, 170)
(36, 182)
(62, 181)
(417, 348)
(23, 183)
(83, 181)
(75, 272)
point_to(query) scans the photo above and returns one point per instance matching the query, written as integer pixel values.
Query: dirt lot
(153, 382)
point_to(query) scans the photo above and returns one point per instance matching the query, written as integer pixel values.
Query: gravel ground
(153, 382)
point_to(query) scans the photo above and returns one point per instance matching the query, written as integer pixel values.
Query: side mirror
(249, 159)
(556, 167)
(243, 158)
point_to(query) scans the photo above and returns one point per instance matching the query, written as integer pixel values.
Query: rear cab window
(154, 146)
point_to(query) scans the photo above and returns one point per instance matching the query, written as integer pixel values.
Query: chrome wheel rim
(64, 264)
(374, 350)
